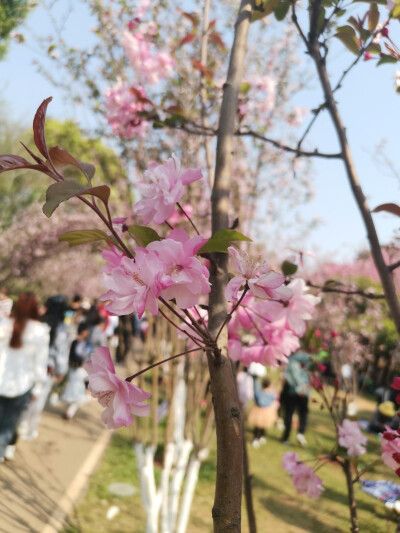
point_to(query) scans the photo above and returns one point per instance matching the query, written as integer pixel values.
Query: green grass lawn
(278, 508)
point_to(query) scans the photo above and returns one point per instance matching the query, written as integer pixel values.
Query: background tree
(12, 13)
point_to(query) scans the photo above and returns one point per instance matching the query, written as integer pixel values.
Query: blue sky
(368, 102)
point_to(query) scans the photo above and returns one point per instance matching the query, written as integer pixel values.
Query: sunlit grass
(278, 508)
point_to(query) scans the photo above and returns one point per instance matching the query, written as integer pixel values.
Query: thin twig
(130, 378)
(188, 217)
(229, 315)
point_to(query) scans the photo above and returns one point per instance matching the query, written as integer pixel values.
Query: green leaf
(85, 236)
(364, 34)
(143, 235)
(64, 190)
(374, 48)
(281, 10)
(245, 87)
(347, 36)
(386, 59)
(373, 17)
(221, 240)
(396, 11)
(288, 268)
(380, 2)
(346, 29)
(263, 8)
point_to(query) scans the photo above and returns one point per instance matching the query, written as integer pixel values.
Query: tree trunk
(248, 493)
(228, 491)
(350, 494)
(375, 246)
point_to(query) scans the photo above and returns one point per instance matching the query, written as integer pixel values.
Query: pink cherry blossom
(150, 65)
(262, 283)
(120, 398)
(113, 258)
(189, 277)
(119, 225)
(123, 103)
(235, 349)
(273, 348)
(305, 481)
(290, 461)
(351, 438)
(136, 284)
(163, 188)
(298, 308)
(390, 444)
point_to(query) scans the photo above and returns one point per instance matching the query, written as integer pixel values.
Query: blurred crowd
(43, 348)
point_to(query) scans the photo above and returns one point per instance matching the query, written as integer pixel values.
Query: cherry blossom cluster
(164, 269)
(267, 316)
(267, 326)
(162, 189)
(304, 479)
(120, 398)
(390, 446)
(123, 105)
(126, 103)
(150, 65)
(351, 438)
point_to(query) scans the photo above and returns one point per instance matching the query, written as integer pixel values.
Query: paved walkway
(48, 474)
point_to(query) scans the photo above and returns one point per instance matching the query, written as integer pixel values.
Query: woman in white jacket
(24, 351)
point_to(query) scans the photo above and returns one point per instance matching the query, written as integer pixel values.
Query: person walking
(24, 352)
(74, 393)
(264, 413)
(295, 393)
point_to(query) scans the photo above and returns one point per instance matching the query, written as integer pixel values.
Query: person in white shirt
(24, 352)
(5, 303)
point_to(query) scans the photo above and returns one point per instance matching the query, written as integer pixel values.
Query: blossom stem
(188, 217)
(108, 223)
(169, 225)
(202, 332)
(130, 378)
(229, 315)
(202, 321)
(196, 341)
(255, 325)
(181, 318)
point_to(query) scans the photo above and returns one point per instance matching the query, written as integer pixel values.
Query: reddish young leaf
(38, 127)
(34, 156)
(15, 162)
(212, 24)
(217, 39)
(394, 209)
(60, 158)
(194, 19)
(197, 64)
(187, 39)
(139, 96)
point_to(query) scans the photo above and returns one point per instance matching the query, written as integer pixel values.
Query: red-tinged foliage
(193, 17)
(38, 127)
(217, 39)
(187, 39)
(199, 66)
